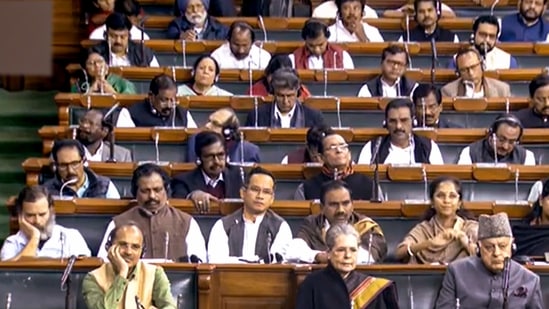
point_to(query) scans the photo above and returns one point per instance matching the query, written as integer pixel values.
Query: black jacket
(214, 30)
(267, 118)
(139, 56)
(185, 183)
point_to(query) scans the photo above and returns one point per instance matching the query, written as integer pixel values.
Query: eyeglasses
(502, 140)
(394, 63)
(65, 166)
(214, 156)
(469, 68)
(340, 147)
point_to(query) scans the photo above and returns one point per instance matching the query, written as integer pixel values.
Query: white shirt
(112, 191)
(64, 242)
(285, 120)
(98, 156)
(470, 92)
(212, 182)
(125, 119)
(135, 33)
(317, 63)
(218, 244)
(399, 155)
(338, 33)
(535, 191)
(465, 157)
(388, 90)
(124, 61)
(496, 59)
(194, 241)
(258, 58)
(328, 9)
(298, 250)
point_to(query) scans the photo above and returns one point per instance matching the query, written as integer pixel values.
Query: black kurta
(326, 289)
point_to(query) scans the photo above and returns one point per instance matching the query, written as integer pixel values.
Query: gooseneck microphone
(64, 185)
(434, 59)
(375, 160)
(506, 275)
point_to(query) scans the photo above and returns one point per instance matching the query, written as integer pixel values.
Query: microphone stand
(325, 75)
(506, 275)
(66, 281)
(494, 145)
(423, 108)
(110, 127)
(184, 52)
(434, 59)
(375, 192)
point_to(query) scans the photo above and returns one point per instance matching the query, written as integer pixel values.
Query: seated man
(349, 26)
(500, 145)
(408, 9)
(213, 178)
(466, 279)
(195, 24)
(218, 8)
(286, 111)
(336, 156)
(471, 82)
(240, 50)
(428, 13)
(73, 177)
(39, 235)
(318, 53)
(126, 281)
(537, 116)
(170, 233)
(132, 10)
(532, 233)
(391, 82)
(339, 285)
(203, 81)
(91, 132)
(527, 25)
(328, 10)
(309, 153)
(119, 50)
(225, 122)
(157, 110)
(428, 106)
(401, 145)
(485, 35)
(253, 233)
(337, 208)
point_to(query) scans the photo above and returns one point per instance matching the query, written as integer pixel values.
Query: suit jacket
(185, 183)
(251, 151)
(121, 154)
(266, 115)
(493, 88)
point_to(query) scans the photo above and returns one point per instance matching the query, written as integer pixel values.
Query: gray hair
(338, 230)
(285, 78)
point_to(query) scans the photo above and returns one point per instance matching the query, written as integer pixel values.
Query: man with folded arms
(336, 208)
(478, 281)
(126, 281)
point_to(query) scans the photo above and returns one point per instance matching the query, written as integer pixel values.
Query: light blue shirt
(112, 192)
(63, 242)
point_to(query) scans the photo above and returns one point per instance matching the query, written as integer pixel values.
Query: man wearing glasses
(213, 179)
(500, 145)
(286, 111)
(253, 233)
(471, 82)
(74, 177)
(492, 279)
(336, 156)
(391, 82)
(401, 145)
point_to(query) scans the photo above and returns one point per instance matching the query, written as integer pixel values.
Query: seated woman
(446, 233)
(339, 285)
(532, 235)
(262, 86)
(204, 76)
(94, 77)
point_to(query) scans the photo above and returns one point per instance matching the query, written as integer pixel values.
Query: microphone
(457, 303)
(408, 55)
(506, 275)
(411, 292)
(484, 53)
(407, 32)
(516, 185)
(493, 7)
(262, 26)
(64, 185)
(370, 240)
(325, 77)
(157, 151)
(250, 76)
(74, 131)
(434, 59)
(179, 301)
(397, 84)
(507, 105)
(269, 242)
(375, 159)
(411, 142)
(138, 304)
(62, 241)
(174, 111)
(494, 145)
(338, 108)
(174, 75)
(335, 173)
(256, 111)
(110, 126)
(66, 274)
(166, 245)
(425, 184)
(84, 88)
(8, 301)
(142, 26)
(335, 61)
(241, 146)
(423, 109)
(184, 52)
(109, 51)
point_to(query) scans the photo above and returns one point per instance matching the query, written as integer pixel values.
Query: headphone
(243, 26)
(112, 234)
(230, 129)
(438, 8)
(197, 62)
(305, 31)
(147, 170)
(67, 143)
(463, 51)
(399, 103)
(508, 119)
